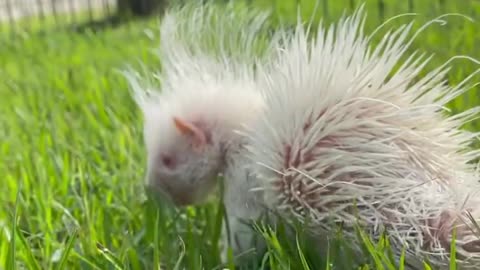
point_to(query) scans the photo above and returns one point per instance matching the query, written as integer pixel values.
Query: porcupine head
(187, 137)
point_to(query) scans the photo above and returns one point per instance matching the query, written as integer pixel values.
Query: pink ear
(189, 129)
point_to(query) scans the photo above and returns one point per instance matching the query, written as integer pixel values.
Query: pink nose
(177, 195)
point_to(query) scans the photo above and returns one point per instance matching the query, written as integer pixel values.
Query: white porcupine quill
(340, 126)
(334, 129)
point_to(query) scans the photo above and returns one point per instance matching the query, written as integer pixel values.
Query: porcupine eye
(168, 161)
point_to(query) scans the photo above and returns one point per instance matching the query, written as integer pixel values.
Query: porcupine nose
(164, 188)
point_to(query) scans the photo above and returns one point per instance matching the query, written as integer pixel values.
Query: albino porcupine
(350, 133)
(329, 126)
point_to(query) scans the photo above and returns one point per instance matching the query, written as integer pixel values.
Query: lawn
(72, 155)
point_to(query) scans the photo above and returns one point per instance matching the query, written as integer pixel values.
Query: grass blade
(302, 256)
(33, 263)
(67, 249)
(11, 264)
(116, 262)
(453, 251)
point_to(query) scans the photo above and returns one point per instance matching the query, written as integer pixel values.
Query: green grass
(72, 157)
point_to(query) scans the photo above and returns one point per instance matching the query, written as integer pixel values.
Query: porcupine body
(335, 140)
(345, 138)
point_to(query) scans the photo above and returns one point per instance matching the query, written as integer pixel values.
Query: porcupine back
(351, 131)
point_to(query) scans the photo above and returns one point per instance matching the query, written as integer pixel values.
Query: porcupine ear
(187, 128)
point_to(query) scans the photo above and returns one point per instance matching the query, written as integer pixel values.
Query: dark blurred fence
(34, 14)
(12, 12)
